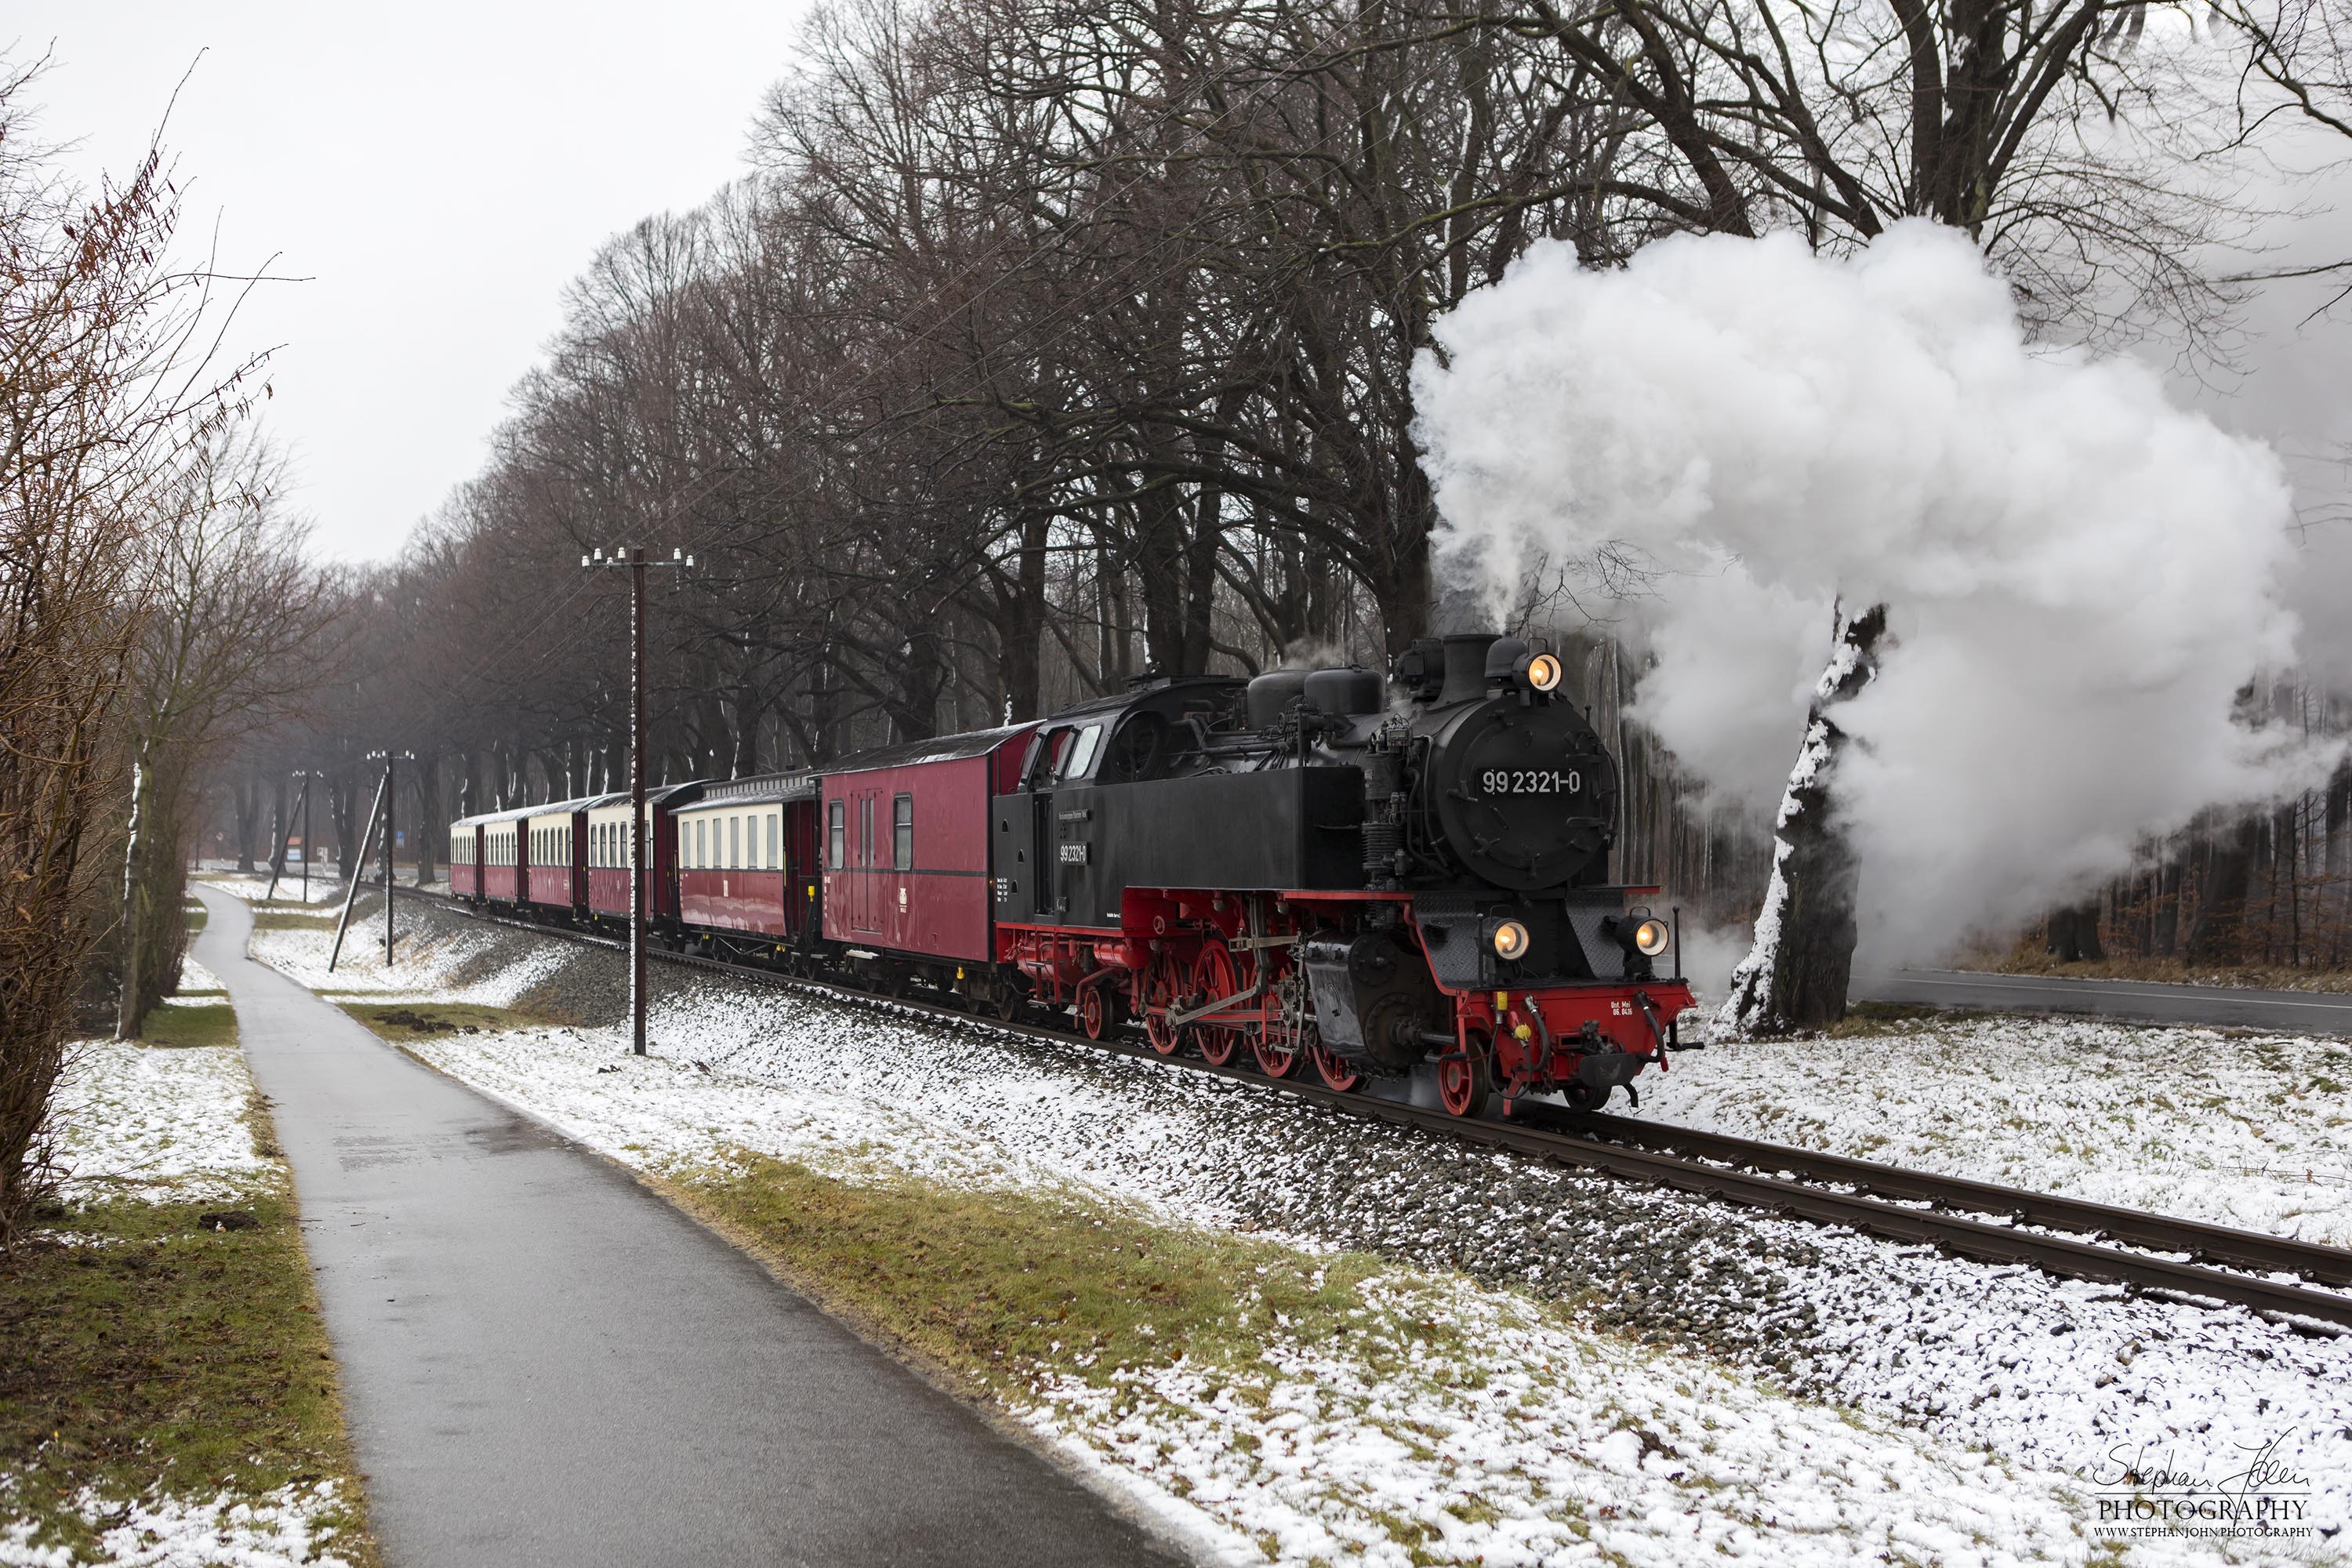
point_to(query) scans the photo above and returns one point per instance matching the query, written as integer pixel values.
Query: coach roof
(764, 789)
(941, 749)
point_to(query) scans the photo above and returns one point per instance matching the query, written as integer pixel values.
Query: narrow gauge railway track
(1734, 1170)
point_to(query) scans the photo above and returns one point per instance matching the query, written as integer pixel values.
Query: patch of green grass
(145, 1352)
(422, 1020)
(1886, 1018)
(293, 917)
(180, 1027)
(991, 1285)
(197, 915)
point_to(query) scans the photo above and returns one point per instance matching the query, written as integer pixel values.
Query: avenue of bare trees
(1055, 342)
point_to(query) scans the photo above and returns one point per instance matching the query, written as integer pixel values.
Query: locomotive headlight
(1510, 940)
(1651, 937)
(1544, 672)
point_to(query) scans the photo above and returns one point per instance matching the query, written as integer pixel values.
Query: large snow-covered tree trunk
(1794, 976)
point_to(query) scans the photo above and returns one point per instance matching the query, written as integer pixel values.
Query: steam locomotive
(1396, 884)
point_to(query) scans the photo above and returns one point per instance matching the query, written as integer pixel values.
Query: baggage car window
(837, 835)
(902, 832)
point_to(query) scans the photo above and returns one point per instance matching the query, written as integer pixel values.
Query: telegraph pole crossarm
(636, 560)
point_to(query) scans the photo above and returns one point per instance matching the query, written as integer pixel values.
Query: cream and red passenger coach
(745, 854)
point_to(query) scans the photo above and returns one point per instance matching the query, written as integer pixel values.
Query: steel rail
(2137, 1228)
(1709, 1167)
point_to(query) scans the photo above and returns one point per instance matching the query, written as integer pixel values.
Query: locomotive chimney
(1466, 667)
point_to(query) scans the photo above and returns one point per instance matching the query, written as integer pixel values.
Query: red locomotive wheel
(1465, 1083)
(1161, 1033)
(1214, 977)
(1276, 1061)
(1336, 1071)
(1163, 993)
(1094, 1012)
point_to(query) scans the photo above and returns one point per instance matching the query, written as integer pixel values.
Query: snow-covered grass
(195, 980)
(252, 888)
(2244, 1130)
(165, 1399)
(436, 956)
(1464, 1425)
(283, 1527)
(163, 1125)
(1858, 1388)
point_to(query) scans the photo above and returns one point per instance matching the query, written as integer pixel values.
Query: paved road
(545, 1363)
(2290, 1012)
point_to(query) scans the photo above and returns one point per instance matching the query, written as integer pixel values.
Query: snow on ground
(1526, 1441)
(169, 1125)
(2252, 1130)
(169, 1533)
(1930, 1358)
(437, 956)
(252, 886)
(195, 980)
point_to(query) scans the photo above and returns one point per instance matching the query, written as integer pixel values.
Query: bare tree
(105, 379)
(228, 642)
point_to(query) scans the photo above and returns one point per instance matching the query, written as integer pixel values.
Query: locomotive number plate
(1074, 854)
(1531, 780)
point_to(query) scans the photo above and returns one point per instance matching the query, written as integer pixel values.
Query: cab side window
(1080, 755)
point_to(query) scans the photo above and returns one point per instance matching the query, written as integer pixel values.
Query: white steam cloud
(2080, 575)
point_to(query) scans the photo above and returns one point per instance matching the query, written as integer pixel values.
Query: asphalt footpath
(2218, 1006)
(544, 1363)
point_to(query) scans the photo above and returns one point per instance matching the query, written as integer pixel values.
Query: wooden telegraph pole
(306, 836)
(388, 758)
(634, 559)
(278, 866)
(351, 872)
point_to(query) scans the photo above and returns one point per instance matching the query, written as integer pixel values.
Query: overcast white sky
(438, 171)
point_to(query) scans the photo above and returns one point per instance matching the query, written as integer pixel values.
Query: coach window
(773, 861)
(865, 830)
(902, 832)
(836, 848)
